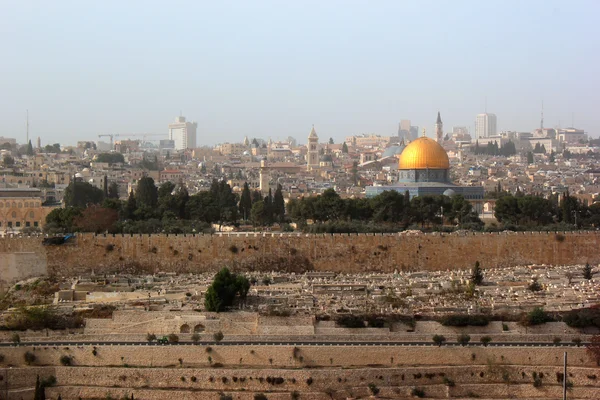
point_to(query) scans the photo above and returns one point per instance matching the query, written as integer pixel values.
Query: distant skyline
(272, 69)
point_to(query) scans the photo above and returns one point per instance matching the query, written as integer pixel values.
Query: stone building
(22, 208)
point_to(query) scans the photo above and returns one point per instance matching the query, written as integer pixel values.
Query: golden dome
(424, 153)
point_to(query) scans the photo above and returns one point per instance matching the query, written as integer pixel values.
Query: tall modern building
(404, 130)
(183, 133)
(485, 125)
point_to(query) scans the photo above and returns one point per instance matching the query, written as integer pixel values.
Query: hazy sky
(273, 68)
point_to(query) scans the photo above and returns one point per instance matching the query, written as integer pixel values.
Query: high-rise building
(485, 125)
(404, 130)
(414, 132)
(312, 157)
(183, 133)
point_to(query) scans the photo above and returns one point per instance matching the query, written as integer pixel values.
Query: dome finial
(424, 134)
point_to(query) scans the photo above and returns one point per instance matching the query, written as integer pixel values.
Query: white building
(485, 125)
(183, 133)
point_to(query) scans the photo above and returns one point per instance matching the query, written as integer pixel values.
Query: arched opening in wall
(185, 328)
(199, 328)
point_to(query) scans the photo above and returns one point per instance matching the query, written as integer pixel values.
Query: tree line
(492, 149)
(535, 211)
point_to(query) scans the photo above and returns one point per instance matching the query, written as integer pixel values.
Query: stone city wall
(300, 252)
(280, 356)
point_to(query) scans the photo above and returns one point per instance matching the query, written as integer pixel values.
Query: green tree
(439, 340)
(8, 161)
(389, 207)
(222, 292)
(463, 339)
(146, 193)
(62, 219)
(245, 205)
(80, 194)
(130, 207)
(113, 190)
(485, 340)
(110, 158)
(345, 148)
(29, 149)
(587, 272)
(259, 214)
(477, 274)
(218, 336)
(529, 157)
(331, 141)
(279, 204)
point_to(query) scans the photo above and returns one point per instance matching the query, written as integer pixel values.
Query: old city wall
(276, 356)
(184, 368)
(299, 252)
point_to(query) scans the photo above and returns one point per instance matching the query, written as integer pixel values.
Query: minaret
(439, 128)
(264, 177)
(312, 158)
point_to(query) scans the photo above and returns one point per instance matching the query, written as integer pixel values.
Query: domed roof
(424, 153)
(449, 193)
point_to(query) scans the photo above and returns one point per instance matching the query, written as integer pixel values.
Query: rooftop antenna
(27, 139)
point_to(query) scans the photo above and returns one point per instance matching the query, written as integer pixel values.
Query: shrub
(465, 320)
(485, 340)
(173, 338)
(350, 321)
(233, 248)
(196, 338)
(577, 341)
(109, 247)
(218, 336)
(225, 397)
(463, 339)
(208, 349)
(439, 339)
(260, 396)
(295, 395)
(15, 338)
(193, 379)
(66, 360)
(417, 392)
(29, 358)
(559, 237)
(309, 381)
(374, 389)
(583, 318)
(504, 327)
(150, 337)
(535, 286)
(536, 317)
(95, 352)
(556, 340)
(449, 382)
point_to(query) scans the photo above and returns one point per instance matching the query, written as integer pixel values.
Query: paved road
(292, 343)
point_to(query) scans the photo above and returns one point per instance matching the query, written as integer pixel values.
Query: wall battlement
(349, 253)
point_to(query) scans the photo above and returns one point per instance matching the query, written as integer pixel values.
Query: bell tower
(312, 157)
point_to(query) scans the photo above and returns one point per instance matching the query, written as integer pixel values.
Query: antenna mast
(27, 138)
(542, 122)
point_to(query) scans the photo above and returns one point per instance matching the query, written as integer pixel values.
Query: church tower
(264, 177)
(439, 129)
(312, 157)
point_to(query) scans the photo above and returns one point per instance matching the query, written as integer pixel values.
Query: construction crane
(111, 139)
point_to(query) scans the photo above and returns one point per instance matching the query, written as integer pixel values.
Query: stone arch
(199, 328)
(185, 328)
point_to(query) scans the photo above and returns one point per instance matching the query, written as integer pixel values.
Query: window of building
(14, 214)
(35, 223)
(10, 224)
(20, 205)
(26, 204)
(14, 204)
(18, 224)
(27, 224)
(30, 214)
